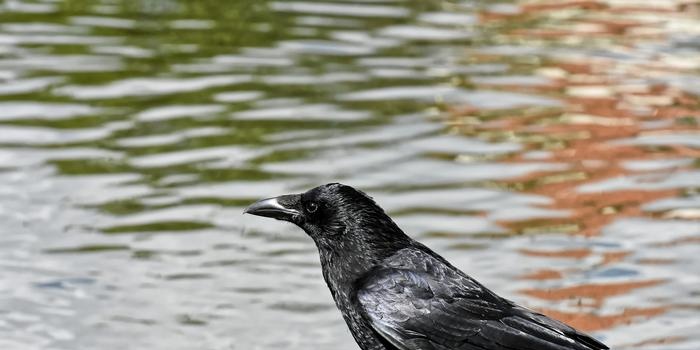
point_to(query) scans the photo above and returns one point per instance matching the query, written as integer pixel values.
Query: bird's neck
(348, 257)
(351, 256)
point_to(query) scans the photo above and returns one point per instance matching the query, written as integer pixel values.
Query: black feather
(396, 294)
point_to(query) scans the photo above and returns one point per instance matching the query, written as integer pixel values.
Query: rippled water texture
(550, 149)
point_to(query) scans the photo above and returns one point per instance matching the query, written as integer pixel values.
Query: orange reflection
(607, 98)
(544, 274)
(590, 322)
(596, 292)
(570, 253)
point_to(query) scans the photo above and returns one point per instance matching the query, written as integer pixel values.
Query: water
(551, 151)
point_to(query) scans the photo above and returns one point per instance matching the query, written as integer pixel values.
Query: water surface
(549, 150)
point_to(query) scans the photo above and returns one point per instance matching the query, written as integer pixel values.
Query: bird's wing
(414, 310)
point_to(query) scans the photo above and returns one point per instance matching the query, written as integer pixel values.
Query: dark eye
(311, 207)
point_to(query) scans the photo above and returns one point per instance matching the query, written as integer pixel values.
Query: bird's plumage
(416, 300)
(396, 294)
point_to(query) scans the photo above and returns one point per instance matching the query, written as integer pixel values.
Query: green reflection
(165, 226)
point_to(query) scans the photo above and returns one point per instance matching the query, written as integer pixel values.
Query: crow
(396, 294)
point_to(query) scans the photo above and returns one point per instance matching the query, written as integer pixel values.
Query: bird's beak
(280, 208)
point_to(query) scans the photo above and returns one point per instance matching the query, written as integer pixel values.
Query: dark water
(550, 151)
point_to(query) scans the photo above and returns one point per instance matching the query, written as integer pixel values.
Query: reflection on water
(548, 148)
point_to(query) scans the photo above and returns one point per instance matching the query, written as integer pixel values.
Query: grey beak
(280, 208)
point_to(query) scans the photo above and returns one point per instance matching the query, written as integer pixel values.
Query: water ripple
(547, 148)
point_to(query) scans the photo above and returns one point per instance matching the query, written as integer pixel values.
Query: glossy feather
(416, 300)
(396, 294)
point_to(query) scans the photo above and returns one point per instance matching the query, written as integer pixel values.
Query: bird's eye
(311, 207)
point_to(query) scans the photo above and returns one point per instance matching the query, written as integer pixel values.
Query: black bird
(397, 294)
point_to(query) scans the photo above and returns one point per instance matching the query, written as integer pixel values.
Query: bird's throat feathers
(364, 243)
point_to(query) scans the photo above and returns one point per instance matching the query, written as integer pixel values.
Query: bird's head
(335, 216)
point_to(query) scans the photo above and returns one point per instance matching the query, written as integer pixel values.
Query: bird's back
(415, 299)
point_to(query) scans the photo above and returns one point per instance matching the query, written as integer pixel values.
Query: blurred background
(550, 149)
